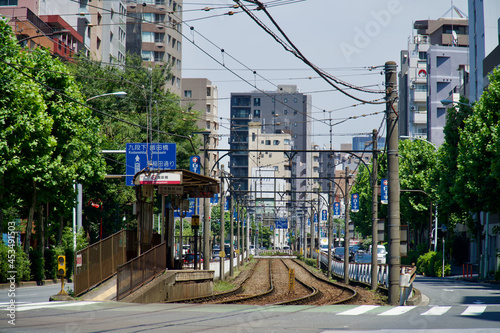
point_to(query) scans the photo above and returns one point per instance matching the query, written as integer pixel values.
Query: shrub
(311, 262)
(21, 264)
(431, 263)
(37, 265)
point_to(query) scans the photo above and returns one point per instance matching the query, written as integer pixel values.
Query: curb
(20, 284)
(415, 299)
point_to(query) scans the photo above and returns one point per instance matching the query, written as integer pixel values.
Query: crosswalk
(338, 310)
(464, 310)
(24, 306)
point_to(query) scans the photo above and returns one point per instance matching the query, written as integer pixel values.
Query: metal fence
(99, 261)
(140, 270)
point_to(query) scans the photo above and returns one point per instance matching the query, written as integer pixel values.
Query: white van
(381, 254)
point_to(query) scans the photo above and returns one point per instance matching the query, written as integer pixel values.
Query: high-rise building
(201, 95)
(484, 50)
(432, 68)
(154, 31)
(285, 111)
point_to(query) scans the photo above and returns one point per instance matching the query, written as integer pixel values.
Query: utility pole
(374, 282)
(393, 182)
(238, 231)
(330, 212)
(206, 208)
(222, 224)
(231, 222)
(346, 231)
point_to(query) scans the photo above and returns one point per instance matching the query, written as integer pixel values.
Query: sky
(350, 40)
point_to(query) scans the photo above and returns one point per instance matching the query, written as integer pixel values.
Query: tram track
(267, 283)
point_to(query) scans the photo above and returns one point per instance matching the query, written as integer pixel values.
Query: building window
(159, 37)
(188, 93)
(8, 2)
(285, 100)
(420, 87)
(295, 100)
(286, 141)
(268, 142)
(147, 17)
(147, 55)
(208, 108)
(256, 101)
(276, 168)
(276, 142)
(294, 112)
(148, 36)
(422, 55)
(208, 125)
(209, 91)
(159, 17)
(285, 111)
(159, 56)
(256, 113)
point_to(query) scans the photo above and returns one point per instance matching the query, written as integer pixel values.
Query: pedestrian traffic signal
(61, 266)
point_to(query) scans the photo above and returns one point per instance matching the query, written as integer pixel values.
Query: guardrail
(362, 273)
(99, 261)
(140, 270)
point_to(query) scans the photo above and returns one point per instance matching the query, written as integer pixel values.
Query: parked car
(338, 253)
(189, 258)
(381, 254)
(362, 257)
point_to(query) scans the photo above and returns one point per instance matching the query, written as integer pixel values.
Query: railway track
(267, 284)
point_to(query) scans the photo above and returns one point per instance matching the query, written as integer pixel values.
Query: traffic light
(61, 266)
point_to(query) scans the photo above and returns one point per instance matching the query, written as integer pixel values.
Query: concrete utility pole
(206, 207)
(393, 181)
(231, 222)
(330, 238)
(346, 231)
(238, 231)
(222, 226)
(374, 272)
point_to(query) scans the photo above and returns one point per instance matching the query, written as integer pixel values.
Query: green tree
(417, 160)
(445, 174)
(126, 120)
(49, 139)
(477, 186)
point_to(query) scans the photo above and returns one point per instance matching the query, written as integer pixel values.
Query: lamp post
(77, 211)
(435, 148)
(117, 94)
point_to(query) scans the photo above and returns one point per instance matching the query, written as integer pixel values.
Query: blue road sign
(315, 218)
(324, 215)
(155, 156)
(308, 221)
(194, 164)
(281, 223)
(384, 191)
(354, 202)
(190, 212)
(226, 206)
(336, 209)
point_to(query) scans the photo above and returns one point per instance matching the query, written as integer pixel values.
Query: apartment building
(154, 31)
(199, 94)
(431, 68)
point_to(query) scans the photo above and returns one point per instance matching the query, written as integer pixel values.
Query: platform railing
(99, 261)
(140, 270)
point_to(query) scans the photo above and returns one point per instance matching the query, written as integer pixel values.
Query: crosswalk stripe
(436, 311)
(397, 311)
(42, 305)
(358, 310)
(474, 310)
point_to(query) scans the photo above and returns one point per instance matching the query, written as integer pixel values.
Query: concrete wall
(174, 285)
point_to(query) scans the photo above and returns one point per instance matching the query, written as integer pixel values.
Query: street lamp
(117, 94)
(446, 102)
(435, 148)
(77, 211)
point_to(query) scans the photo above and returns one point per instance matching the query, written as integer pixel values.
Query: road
(476, 308)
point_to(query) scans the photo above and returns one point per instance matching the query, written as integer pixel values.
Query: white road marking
(397, 311)
(358, 310)
(474, 310)
(436, 311)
